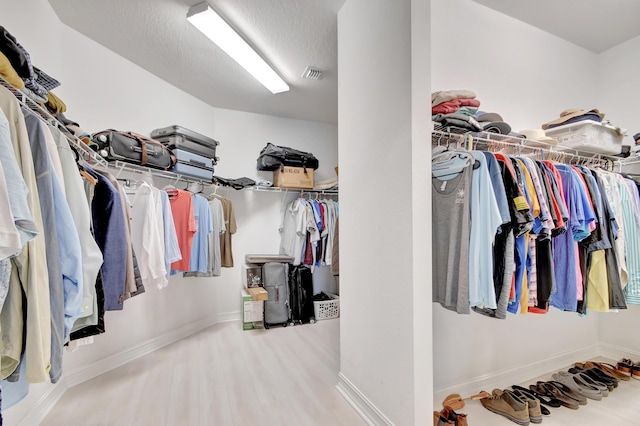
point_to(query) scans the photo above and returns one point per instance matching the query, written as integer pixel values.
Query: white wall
(376, 244)
(529, 77)
(619, 86)
(525, 74)
(103, 90)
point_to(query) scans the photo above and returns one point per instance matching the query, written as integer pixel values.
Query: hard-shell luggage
(276, 283)
(133, 148)
(301, 295)
(177, 137)
(190, 164)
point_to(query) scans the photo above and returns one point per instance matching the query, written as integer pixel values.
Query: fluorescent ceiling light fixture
(204, 18)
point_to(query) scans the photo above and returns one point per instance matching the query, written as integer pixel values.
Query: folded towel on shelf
(448, 95)
(327, 184)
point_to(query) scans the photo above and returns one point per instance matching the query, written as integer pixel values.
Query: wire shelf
(293, 190)
(31, 106)
(520, 146)
(93, 159)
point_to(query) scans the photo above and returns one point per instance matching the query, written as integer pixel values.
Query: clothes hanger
(445, 164)
(215, 194)
(83, 172)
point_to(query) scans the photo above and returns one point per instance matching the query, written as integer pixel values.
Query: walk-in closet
(361, 103)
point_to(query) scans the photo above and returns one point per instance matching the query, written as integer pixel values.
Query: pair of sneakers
(629, 367)
(515, 405)
(448, 417)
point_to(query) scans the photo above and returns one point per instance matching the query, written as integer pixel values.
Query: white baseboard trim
(360, 403)
(615, 352)
(45, 404)
(504, 378)
(80, 375)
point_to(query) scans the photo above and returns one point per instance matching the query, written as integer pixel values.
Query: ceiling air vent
(311, 74)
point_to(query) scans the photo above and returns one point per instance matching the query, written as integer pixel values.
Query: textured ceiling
(596, 25)
(292, 34)
(289, 34)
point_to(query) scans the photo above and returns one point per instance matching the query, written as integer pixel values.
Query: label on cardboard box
(252, 312)
(293, 177)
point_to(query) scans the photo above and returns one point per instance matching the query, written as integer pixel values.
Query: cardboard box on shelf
(252, 312)
(293, 177)
(258, 293)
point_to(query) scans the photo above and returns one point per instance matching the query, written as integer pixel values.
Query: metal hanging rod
(93, 159)
(31, 106)
(546, 151)
(88, 155)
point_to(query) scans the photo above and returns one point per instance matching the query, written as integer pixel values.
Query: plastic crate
(327, 309)
(589, 136)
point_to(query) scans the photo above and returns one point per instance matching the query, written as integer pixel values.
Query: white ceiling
(289, 34)
(596, 25)
(292, 34)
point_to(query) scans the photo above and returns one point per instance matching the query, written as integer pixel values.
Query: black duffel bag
(133, 148)
(273, 156)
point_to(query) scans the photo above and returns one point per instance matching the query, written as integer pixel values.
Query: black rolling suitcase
(177, 137)
(301, 295)
(276, 283)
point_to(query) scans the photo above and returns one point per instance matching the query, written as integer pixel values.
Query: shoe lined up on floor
(449, 417)
(576, 384)
(630, 367)
(597, 375)
(508, 404)
(541, 398)
(535, 408)
(592, 380)
(607, 369)
(552, 391)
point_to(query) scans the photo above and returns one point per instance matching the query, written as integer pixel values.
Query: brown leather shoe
(442, 418)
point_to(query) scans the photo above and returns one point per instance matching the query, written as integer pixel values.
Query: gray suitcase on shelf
(276, 283)
(177, 137)
(190, 164)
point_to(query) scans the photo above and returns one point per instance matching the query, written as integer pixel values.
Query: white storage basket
(327, 309)
(589, 136)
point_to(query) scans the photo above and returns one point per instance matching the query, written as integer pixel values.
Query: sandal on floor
(597, 375)
(519, 390)
(581, 399)
(551, 402)
(552, 391)
(591, 382)
(609, 369)
(576, 384)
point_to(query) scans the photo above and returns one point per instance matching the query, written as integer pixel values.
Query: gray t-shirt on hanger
(451, 229)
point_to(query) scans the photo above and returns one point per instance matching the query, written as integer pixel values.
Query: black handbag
(272, 157)
(133, 148)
